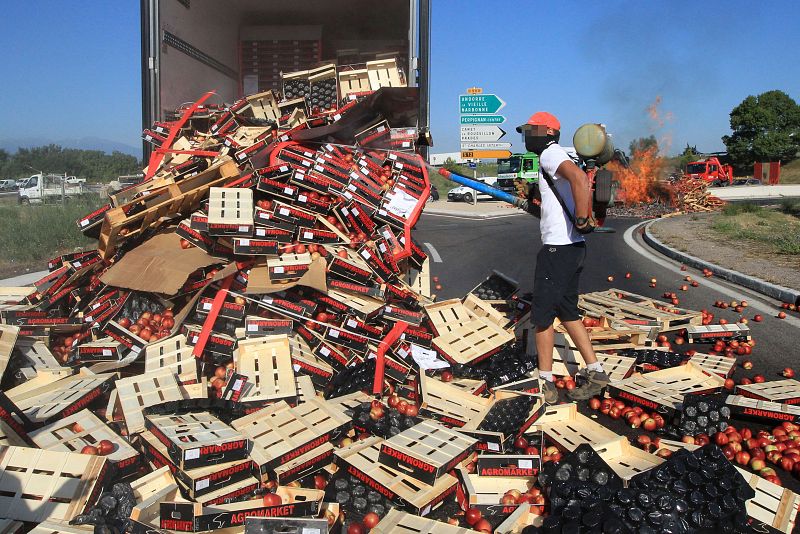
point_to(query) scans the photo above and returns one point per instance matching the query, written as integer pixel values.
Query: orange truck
(711, 170)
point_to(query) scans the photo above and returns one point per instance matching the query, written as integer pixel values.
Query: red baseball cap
(542, 118)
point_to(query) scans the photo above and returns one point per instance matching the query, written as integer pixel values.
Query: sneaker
(593, 384)
(550, 392)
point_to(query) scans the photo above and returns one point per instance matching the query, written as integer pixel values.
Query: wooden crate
(397, 522)
(484, 310)
(8, 338)
(197, 439)
(9, 437)
(164, 346)
(362, 306)
(568, 361)
(568, 428)
(149, 491)
(450, 404)
(473, 387)
(230, 211)
(522, 517)
(384, 73)
(142, 391)
(712, 332)
(267, 364)
(760, 409)
(419, 281)
(633, 309)
(305, 388)
(264, 106)
(180, 362)
(665, 389)
(161, 206)
(425, 451)
(49, 402)
(717, 364)
(447, 315)
(36, 485)
(626, 460)
(784, 391)
(605, 338)
(353, 81)
(38, 354)
(55, 527)
(280, 433)
(772, 505)
(472, 341)
(288, 266)
(485, 492)
(73, 433)
(11, 297)
(361, 459)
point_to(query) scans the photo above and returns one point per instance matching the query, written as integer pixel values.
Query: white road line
(755, 300)
(434, 254)
(472, 218)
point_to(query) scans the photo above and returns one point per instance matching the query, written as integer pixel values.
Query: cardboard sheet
(158, 265)
(259, 281)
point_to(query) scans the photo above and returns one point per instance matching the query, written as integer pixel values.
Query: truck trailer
(239, 47)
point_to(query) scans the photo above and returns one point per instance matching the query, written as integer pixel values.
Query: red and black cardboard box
(312, 181)
(201, 240)
(526, 385)
(396, 313)
(349, 271)
(360, 289)
(229, 310)
(288, 525)
(295, 216)
(320, 375)
(313, 235)
(193, 517)
(258, 245)
(376, 136)
(760, 409)
(313, 204)
(307, 464)
(376, 264)
(277, 188)
(509, 465)
(124, 337)
(270, 220)
(216, 343)
(92, 220)
(15, 418)
(199, 221)
(356, 218)
(346, 339)
(99, 351)
(200, 481)
(259, 326)
(487, 442)
(212, 442)
(331, 356)
(417, 336)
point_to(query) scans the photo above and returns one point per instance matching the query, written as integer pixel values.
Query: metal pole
(475, 194)
(63, 189)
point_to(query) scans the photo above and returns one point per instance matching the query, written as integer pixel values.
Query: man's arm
(579, 183)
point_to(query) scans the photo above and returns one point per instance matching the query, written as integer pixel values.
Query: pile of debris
(254, 345)
(691, 195)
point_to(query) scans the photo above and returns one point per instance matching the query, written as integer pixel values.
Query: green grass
(779, 232)
(790, 173)
(30, 235)
(790, 207)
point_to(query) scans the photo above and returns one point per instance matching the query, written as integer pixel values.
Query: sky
(72, 69)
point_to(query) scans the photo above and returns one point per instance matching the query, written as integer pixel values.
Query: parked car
(8, 185)
(467, 194)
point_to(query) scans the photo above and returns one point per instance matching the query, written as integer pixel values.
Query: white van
(467, 194)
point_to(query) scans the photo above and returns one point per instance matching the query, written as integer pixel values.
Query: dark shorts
(555, 286)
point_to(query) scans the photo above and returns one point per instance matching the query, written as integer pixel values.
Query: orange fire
(658, 118)
(639, 182)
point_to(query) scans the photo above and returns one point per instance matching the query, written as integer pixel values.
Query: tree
(765, 128)
(642, 144)
(451, 165)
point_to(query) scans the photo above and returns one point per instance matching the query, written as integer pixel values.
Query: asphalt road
(469, 249)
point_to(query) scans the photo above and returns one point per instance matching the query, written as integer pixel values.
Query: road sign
(487, 154)
(472, 165)
(485, 146)
(483, 104)
(478, 134)
(482, 119)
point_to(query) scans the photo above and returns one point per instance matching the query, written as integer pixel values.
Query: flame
(639, 182)
(658, 118)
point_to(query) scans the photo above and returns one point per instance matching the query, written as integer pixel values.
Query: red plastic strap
(393, 335)
(158, 154)
(211, 318)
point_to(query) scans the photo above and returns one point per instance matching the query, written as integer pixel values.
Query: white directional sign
(485, 146)
(480, 134)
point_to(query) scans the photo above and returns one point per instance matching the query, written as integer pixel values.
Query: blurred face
(537, 138)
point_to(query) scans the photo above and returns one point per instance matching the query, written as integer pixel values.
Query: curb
(784, 294)
(473, 215)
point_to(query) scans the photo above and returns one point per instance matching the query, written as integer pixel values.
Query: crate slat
(567, 361)
(44, 403)
(447, 315)
(487, 491)
(518, 520)
(568, 428)
(267, 364)
(38, 354)
(472, 341)
(717, 364)
(36, 485)
(142, 391)
(8, 338)
(397, 522)
(149, 491)
(634, 309)
(784, 391)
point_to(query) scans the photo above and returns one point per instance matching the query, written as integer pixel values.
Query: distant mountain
(84, 143)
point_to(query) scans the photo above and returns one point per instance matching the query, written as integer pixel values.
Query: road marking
(473, 218)
(434, 254)
(755, 300)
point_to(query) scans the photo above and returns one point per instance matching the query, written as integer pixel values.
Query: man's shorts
(555, 286)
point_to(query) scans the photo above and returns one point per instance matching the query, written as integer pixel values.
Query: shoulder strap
(549, 180)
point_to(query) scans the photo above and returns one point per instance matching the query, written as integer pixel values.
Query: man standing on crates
(560, 261)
